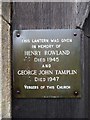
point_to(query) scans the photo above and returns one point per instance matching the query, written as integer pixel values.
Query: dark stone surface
(49, 16)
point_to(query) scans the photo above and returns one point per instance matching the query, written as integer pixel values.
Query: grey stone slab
(6, 72)
(6, 11)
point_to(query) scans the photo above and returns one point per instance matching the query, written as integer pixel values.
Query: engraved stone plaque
(47, 63)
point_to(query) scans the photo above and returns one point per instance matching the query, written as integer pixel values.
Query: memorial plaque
(47, 63)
